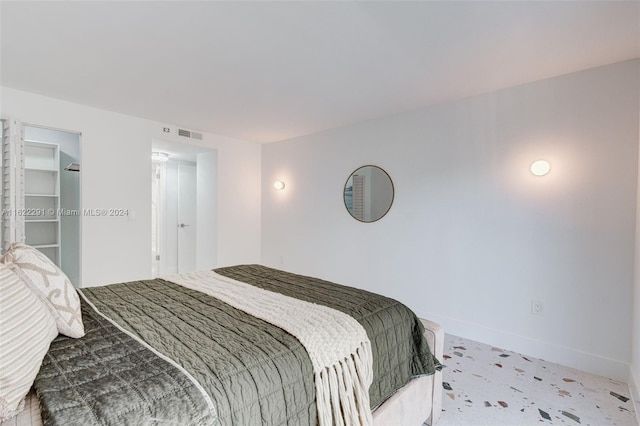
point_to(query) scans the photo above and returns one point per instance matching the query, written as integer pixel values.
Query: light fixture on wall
(540, 167)
(159, 157)
(279, 185)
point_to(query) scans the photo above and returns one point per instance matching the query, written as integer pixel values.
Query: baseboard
(635, 392)
(547, 351)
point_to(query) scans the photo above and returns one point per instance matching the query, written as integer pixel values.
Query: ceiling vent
(189, 134)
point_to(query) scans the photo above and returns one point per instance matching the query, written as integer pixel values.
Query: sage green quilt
(254, 372)
(400, 351)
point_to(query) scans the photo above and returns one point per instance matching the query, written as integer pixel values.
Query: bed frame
(419, 401)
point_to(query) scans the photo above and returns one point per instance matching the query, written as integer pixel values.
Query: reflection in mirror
(368, 193)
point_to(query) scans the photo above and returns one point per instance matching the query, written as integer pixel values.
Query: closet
(41, 192)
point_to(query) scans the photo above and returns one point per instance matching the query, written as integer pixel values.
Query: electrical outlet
(537, 307)
(281, 260)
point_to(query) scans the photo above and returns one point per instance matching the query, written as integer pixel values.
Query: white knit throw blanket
(338, 345)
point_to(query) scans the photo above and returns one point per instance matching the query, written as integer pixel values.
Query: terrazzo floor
(484, 385)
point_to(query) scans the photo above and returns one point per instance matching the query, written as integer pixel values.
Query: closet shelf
(39, 246)
(42, 195)
(38, 143)
(40, 169)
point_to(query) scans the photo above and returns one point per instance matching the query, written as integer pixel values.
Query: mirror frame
(393, 193)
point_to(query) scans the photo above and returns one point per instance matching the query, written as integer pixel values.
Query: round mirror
(368, 193)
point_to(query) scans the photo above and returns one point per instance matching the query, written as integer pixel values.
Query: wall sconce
(279, 185)
(540, 167)
(159, 157)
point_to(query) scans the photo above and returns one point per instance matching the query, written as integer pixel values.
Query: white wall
(473, 237)
(116, 162)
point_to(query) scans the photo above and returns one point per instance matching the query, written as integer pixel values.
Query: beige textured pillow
(47, 280)
(26, 330)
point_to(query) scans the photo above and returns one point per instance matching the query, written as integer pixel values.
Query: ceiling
(268, 71)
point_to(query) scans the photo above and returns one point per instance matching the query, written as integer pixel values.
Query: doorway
(184, 193)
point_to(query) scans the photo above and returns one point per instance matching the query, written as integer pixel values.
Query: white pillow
(46, 280)
(26, 330)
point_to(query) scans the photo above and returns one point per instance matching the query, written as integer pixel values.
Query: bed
(166, 351)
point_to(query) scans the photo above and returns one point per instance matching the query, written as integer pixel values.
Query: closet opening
(42, 190)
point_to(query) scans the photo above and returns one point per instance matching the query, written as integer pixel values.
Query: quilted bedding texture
(400, 351)
(109, 378)
(254, 372)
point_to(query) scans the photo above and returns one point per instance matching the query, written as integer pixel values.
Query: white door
(186, 218)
